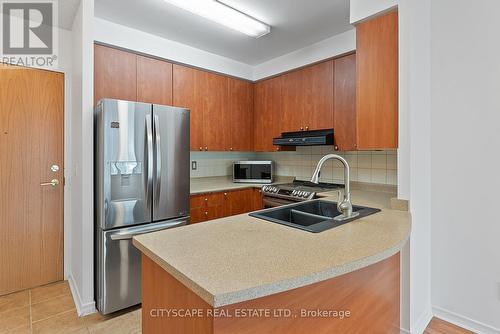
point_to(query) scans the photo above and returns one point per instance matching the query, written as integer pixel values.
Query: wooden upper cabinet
(307, 98)
(267, 113)
(185, 95)
(345, 103)
(154, 81)
(206, 95)
(293, 102)
(377, 82)
(115, 74)
(240, 115)
(212, 90)
(318, 96)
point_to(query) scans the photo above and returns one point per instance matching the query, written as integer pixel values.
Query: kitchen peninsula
(246, 275)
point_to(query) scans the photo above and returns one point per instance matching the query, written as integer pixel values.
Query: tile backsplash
(366, 166)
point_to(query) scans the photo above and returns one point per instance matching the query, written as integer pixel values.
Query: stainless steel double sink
(312, 216)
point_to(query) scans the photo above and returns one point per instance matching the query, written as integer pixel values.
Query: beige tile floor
(50, 309)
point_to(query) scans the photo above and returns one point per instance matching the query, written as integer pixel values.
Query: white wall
(81, 181)
(414, 151)
(328, 48)
(465, 136)
(363, 9)
(136, 40)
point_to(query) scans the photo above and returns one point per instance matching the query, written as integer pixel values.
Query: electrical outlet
(194, 165)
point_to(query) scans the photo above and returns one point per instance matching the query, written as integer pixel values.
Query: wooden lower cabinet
(211, 206)
(366, 301)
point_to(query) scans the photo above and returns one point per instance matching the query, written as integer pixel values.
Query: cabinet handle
(231, 149)
(206, 148)
(206, 213)
(201, 148)
(336, 148)
(225, 194)
(301, 128)
(307, 128)
(206, 199)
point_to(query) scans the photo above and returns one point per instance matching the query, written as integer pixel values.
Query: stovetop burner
(299, 190)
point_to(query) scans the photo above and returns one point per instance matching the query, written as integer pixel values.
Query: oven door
(273, 202)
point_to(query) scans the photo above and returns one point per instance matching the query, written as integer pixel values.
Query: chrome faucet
(344, 205)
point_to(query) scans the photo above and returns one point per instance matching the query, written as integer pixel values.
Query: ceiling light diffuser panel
(222, 14)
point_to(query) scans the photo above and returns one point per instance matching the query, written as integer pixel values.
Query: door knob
(54, 183)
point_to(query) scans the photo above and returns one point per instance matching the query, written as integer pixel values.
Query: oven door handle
(274, 202)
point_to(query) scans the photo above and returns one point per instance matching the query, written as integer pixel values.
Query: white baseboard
(422, 322)
(82, 309)
(464, 322)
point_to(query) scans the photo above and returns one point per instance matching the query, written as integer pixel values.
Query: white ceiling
(66, 13)
(295, 24)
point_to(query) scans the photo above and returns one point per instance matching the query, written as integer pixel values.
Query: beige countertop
(239, 258)
(205, 185)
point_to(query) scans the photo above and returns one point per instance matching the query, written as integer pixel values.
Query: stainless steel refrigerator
(141, 186)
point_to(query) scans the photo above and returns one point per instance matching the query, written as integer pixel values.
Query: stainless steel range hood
(305, 138)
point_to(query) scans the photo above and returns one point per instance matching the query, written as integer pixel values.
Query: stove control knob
(306, 194)
(265, 188)
(299, 193)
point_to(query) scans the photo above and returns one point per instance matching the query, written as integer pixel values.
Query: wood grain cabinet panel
(154, 81)
(212, 90)
(115, 74)
(377, 82)
(267, 114)
(240, 115)
(257, 199)
(238, 202)
(307, 98)
(185, 93)
(318, 96)
(345, 103)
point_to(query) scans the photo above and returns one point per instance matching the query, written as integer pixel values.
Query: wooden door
(185, 93)
(212, 90)
(240, 115)
(377, 82)
(154, 81)
(318, 96)
(115, 74)
(345, 103)
(267, 114)
(31, 141)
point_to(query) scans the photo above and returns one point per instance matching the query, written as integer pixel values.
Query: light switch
(194, 165)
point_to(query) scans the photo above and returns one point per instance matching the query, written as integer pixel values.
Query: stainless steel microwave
(253, 171)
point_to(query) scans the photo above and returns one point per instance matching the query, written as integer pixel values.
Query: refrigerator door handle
(126, 235)
(158, 158)
(149, 160)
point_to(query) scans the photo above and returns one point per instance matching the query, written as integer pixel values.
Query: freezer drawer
(118, 266)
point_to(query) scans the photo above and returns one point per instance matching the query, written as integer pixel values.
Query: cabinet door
(241, 115)
(267, 114)
(257, 199)
(212, 91)
(377, 82)
(154, 81)
(115, 74)
(318, 98)
(345, 103)
(293, 116)
(238, 202)
(185, 94)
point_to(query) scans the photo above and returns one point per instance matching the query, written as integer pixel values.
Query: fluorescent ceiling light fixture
(224, 15)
